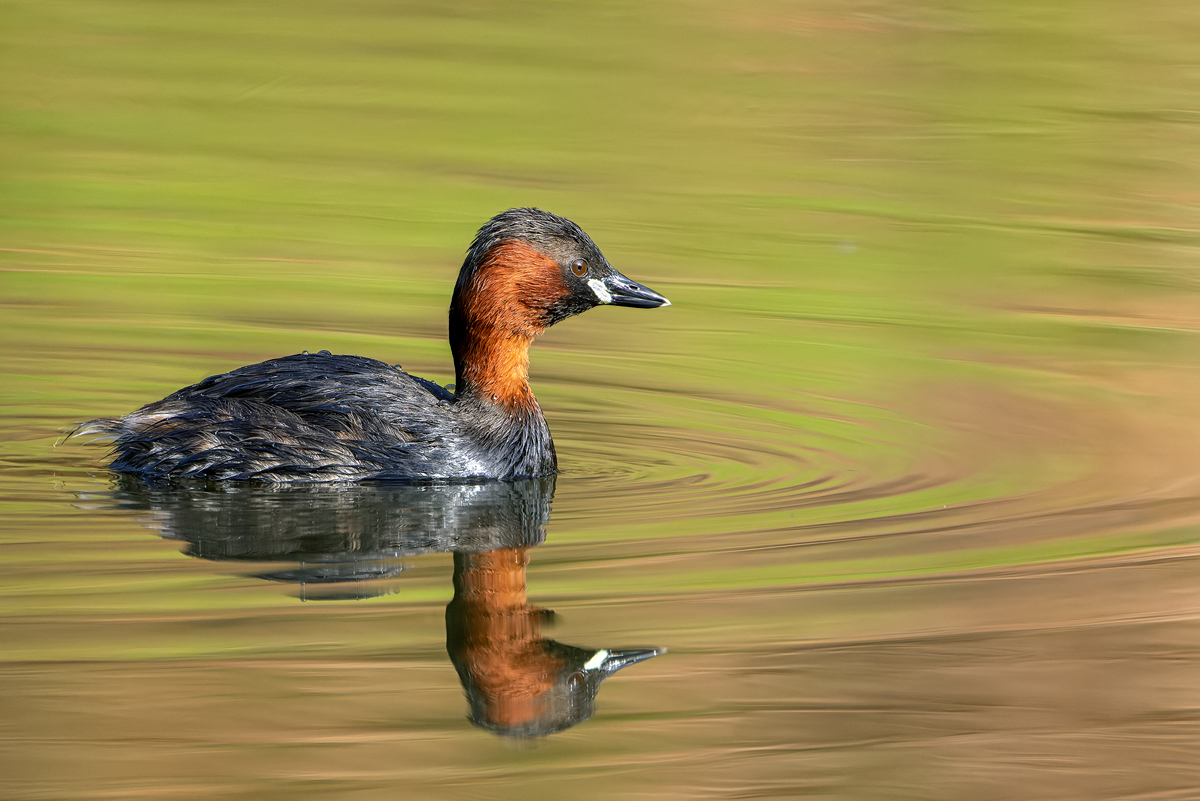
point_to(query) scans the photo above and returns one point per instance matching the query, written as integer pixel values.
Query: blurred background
(905, 478)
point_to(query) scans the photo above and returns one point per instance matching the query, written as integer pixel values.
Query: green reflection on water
(962, 202)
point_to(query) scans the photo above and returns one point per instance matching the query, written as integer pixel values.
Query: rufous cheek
(516, 288)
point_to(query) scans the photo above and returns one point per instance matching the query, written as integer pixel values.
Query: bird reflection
(519, 683)
(339, 538)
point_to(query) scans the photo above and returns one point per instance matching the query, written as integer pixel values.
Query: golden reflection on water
(343, 541)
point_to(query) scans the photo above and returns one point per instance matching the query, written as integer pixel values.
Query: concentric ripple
(971, 477)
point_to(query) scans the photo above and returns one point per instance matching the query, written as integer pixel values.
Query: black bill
(630, 293)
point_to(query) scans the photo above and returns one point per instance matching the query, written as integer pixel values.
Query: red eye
(579, 267)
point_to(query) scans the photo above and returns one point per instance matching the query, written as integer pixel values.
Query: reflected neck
(494, 635)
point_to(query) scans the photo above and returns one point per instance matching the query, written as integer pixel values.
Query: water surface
(905, 479)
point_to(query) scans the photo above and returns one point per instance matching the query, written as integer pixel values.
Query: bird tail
(102, 429)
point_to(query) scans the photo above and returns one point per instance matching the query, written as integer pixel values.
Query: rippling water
(904, 482)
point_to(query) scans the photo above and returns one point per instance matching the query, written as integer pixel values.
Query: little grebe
(345, 418)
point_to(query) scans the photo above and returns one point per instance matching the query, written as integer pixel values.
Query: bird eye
(579, 267)
(575, 683)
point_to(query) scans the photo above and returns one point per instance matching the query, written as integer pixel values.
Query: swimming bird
(323, 417)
